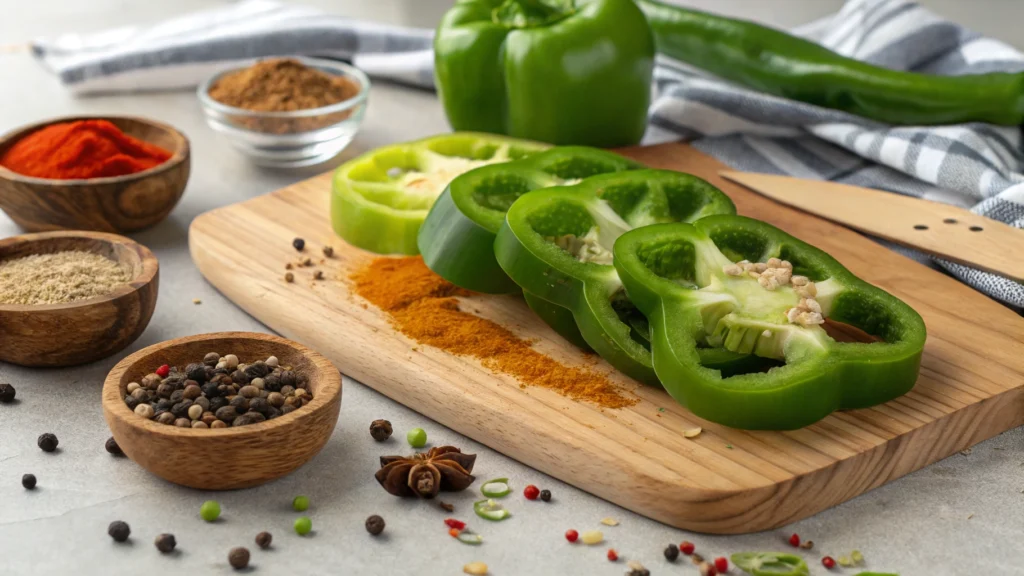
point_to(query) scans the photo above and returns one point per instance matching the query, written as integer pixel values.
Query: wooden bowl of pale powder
(69, 298)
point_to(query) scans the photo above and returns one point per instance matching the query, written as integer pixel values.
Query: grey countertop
(962, 515)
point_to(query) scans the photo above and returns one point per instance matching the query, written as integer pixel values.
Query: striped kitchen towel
(977, 166)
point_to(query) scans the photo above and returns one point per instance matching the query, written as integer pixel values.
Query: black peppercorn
(380, 430)
(259, 405)
(273, 413)
(299, 244)
(239, 377)
(238, 558)
(217, 402)
(286, 409)
(257, 370)
(227, 414)
(119, 531)
(241, 403)
(113, 448)
(375, 525)
(28, 481)
(196, 372)
(210, 391)
(164, 390)
(249, 418)
(545, 495)
(7, 393)
(180, 410)
(165, 543)
(211, 359)
(263, 540)
(288, 378)
(131, 402)
(177, 396)
(671, 552)
(272, 382)
(164, 405)
(47, 442)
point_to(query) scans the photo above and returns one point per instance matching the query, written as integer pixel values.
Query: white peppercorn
(231, 360)
(183, 423)
(257, 383)
(275, 399)
(165, 418)
(195, 412)
(273, 362)
(144, 410)
(249, 391)
(200, 424)
(132, 387)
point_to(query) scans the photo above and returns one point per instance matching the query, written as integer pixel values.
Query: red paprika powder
(80, 150)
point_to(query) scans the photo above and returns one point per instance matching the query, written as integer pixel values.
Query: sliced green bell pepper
(379, 200)
(684, 279)
(555, 244)
(770, 564)
(559, 71)
(457, 238)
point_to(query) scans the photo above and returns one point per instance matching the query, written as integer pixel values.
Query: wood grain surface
(86, 330)
(119, 204)
(946, 231)
(228, 458)
(724, 480)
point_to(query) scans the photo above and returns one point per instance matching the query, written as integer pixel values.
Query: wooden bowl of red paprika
(108, 174)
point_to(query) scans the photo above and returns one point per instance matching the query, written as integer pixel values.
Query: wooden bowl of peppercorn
(235, 456)
(108, 204)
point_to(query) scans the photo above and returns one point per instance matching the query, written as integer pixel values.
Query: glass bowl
(294, 138)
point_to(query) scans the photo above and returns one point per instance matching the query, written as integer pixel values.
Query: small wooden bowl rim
(150, 267)
(178, 155)
(327, 391)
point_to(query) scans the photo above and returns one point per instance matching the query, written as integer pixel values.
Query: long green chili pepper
(778, 63)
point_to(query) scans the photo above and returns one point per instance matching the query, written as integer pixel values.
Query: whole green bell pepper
(457, 238)
(773, 303)
(778, 63)
(379, 200)
(555, 244)
(559, 71)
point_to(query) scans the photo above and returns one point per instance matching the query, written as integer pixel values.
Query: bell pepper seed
(475, 568)
(591, 537)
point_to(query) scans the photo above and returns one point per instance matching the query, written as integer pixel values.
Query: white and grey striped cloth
(977, 166)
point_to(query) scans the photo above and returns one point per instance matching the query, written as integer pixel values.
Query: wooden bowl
(227, 458)
(118, 204)
(84, 330)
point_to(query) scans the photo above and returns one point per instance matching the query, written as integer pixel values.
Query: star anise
(425, 474)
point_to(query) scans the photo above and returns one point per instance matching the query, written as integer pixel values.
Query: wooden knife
(945, 231)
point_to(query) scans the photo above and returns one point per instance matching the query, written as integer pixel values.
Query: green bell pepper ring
(490, 510)
(559, 318)
(379, 200)
(457, 238)
(559, 71)
(772, 61)
(770, 564)
(555, 245)
(683, 278)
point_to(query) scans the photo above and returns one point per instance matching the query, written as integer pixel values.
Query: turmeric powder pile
(424, 307)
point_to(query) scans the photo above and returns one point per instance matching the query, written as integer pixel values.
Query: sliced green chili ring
(470, 537)
(770, 564)
(490, 510)
(496, 493)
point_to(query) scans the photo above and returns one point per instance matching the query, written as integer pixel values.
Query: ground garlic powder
(59, 277)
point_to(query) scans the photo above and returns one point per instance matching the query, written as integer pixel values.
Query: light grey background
(964, 515)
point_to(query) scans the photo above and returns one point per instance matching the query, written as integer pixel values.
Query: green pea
(210, 510)
(300, 503)
(303, 525)
(417, 437)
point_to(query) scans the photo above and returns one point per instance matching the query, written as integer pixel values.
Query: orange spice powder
(424, 307)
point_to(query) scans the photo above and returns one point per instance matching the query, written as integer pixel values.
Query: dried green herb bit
(47, 442)
(7, 393)
(119, 531)
(165, 543)
(238, 558)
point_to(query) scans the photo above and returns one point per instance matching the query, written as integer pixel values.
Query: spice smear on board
(284, 85)
(424, 307)
(82, 149)
(59, 277)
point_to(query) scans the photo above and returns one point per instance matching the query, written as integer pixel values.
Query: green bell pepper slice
(555, 244)
(770, 564)
(380, 199)
(559, 71)
(457, 238)
(685, 279)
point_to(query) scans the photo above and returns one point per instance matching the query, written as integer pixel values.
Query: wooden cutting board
(723, 481)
